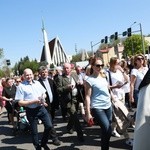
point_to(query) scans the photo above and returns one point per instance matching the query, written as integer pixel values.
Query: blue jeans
(104, 119)
(33, 115)
(136, 96)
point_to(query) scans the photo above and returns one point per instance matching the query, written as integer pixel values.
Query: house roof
(106, 50)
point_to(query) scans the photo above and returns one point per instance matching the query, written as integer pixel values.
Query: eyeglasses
(140, 58)
(99, 65)
(18, 81)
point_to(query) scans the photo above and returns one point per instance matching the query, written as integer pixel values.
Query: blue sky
(73, 21)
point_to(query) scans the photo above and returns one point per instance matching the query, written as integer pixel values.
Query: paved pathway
(22, 141)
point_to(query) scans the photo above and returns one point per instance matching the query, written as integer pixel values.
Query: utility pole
(131, 39)
(143, 47)
(92, 48)
(76, 48)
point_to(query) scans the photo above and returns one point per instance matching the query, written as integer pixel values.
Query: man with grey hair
(67, 87)
(51, 99)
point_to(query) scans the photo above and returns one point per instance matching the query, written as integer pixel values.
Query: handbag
(121, 116)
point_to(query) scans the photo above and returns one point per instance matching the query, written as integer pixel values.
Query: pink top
(2, 102)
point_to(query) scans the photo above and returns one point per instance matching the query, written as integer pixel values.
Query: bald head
(28, 74)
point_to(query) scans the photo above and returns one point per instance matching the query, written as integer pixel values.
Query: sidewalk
(23, 141)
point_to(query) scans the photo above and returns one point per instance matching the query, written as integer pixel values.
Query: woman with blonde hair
(98, 101)
(137, 75)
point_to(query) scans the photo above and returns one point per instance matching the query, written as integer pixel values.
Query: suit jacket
(62, 83)
(55, 102)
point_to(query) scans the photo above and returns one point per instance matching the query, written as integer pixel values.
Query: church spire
(47, 53)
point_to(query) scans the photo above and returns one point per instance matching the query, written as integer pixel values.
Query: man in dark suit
(51, 98)
(67, 87)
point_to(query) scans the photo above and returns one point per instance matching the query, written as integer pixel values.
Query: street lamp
(131, 39)
(133, 23)
(92, 45)
(76, 48)
(143, 47)
(142, 40)
(92, 48)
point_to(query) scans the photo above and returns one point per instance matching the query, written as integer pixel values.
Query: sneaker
(71, 131)
(115, 134)
(129, 142)
(133, 126)
(56, 142)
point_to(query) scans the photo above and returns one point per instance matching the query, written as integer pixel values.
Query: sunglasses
(99, 65)
(140, 58)
(18, 81)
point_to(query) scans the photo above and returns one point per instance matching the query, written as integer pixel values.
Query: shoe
(71, 131)
(115, 134)
(129, 142)
(39, 121)
(1, 112)
(133, 126)
(38, 147)
(56, 142)
(46, 147)
(80, 138)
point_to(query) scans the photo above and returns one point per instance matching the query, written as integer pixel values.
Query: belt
(33, 108)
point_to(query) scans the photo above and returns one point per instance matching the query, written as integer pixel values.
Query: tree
(111, 43)
(25, 63)
(133, 45)
(78, 56)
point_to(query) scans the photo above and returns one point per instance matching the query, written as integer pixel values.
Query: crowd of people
(96, 91)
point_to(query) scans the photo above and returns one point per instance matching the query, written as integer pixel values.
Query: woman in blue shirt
(98, 101)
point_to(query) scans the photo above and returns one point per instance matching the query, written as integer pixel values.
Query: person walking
(51, 99)
(8, 95)
(117, 79)
(137, 75)
(67, 87)
(98, 101)
(31, 94)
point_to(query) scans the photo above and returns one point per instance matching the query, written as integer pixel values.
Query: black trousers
(73, 117)
(33, 114)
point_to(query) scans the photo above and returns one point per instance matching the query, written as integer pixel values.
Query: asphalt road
(22, 141)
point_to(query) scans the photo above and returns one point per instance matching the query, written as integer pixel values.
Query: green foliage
(43, 63)
(112, 43)
(2, 73)
(133, 45)
(26, 63)
(78, 56)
